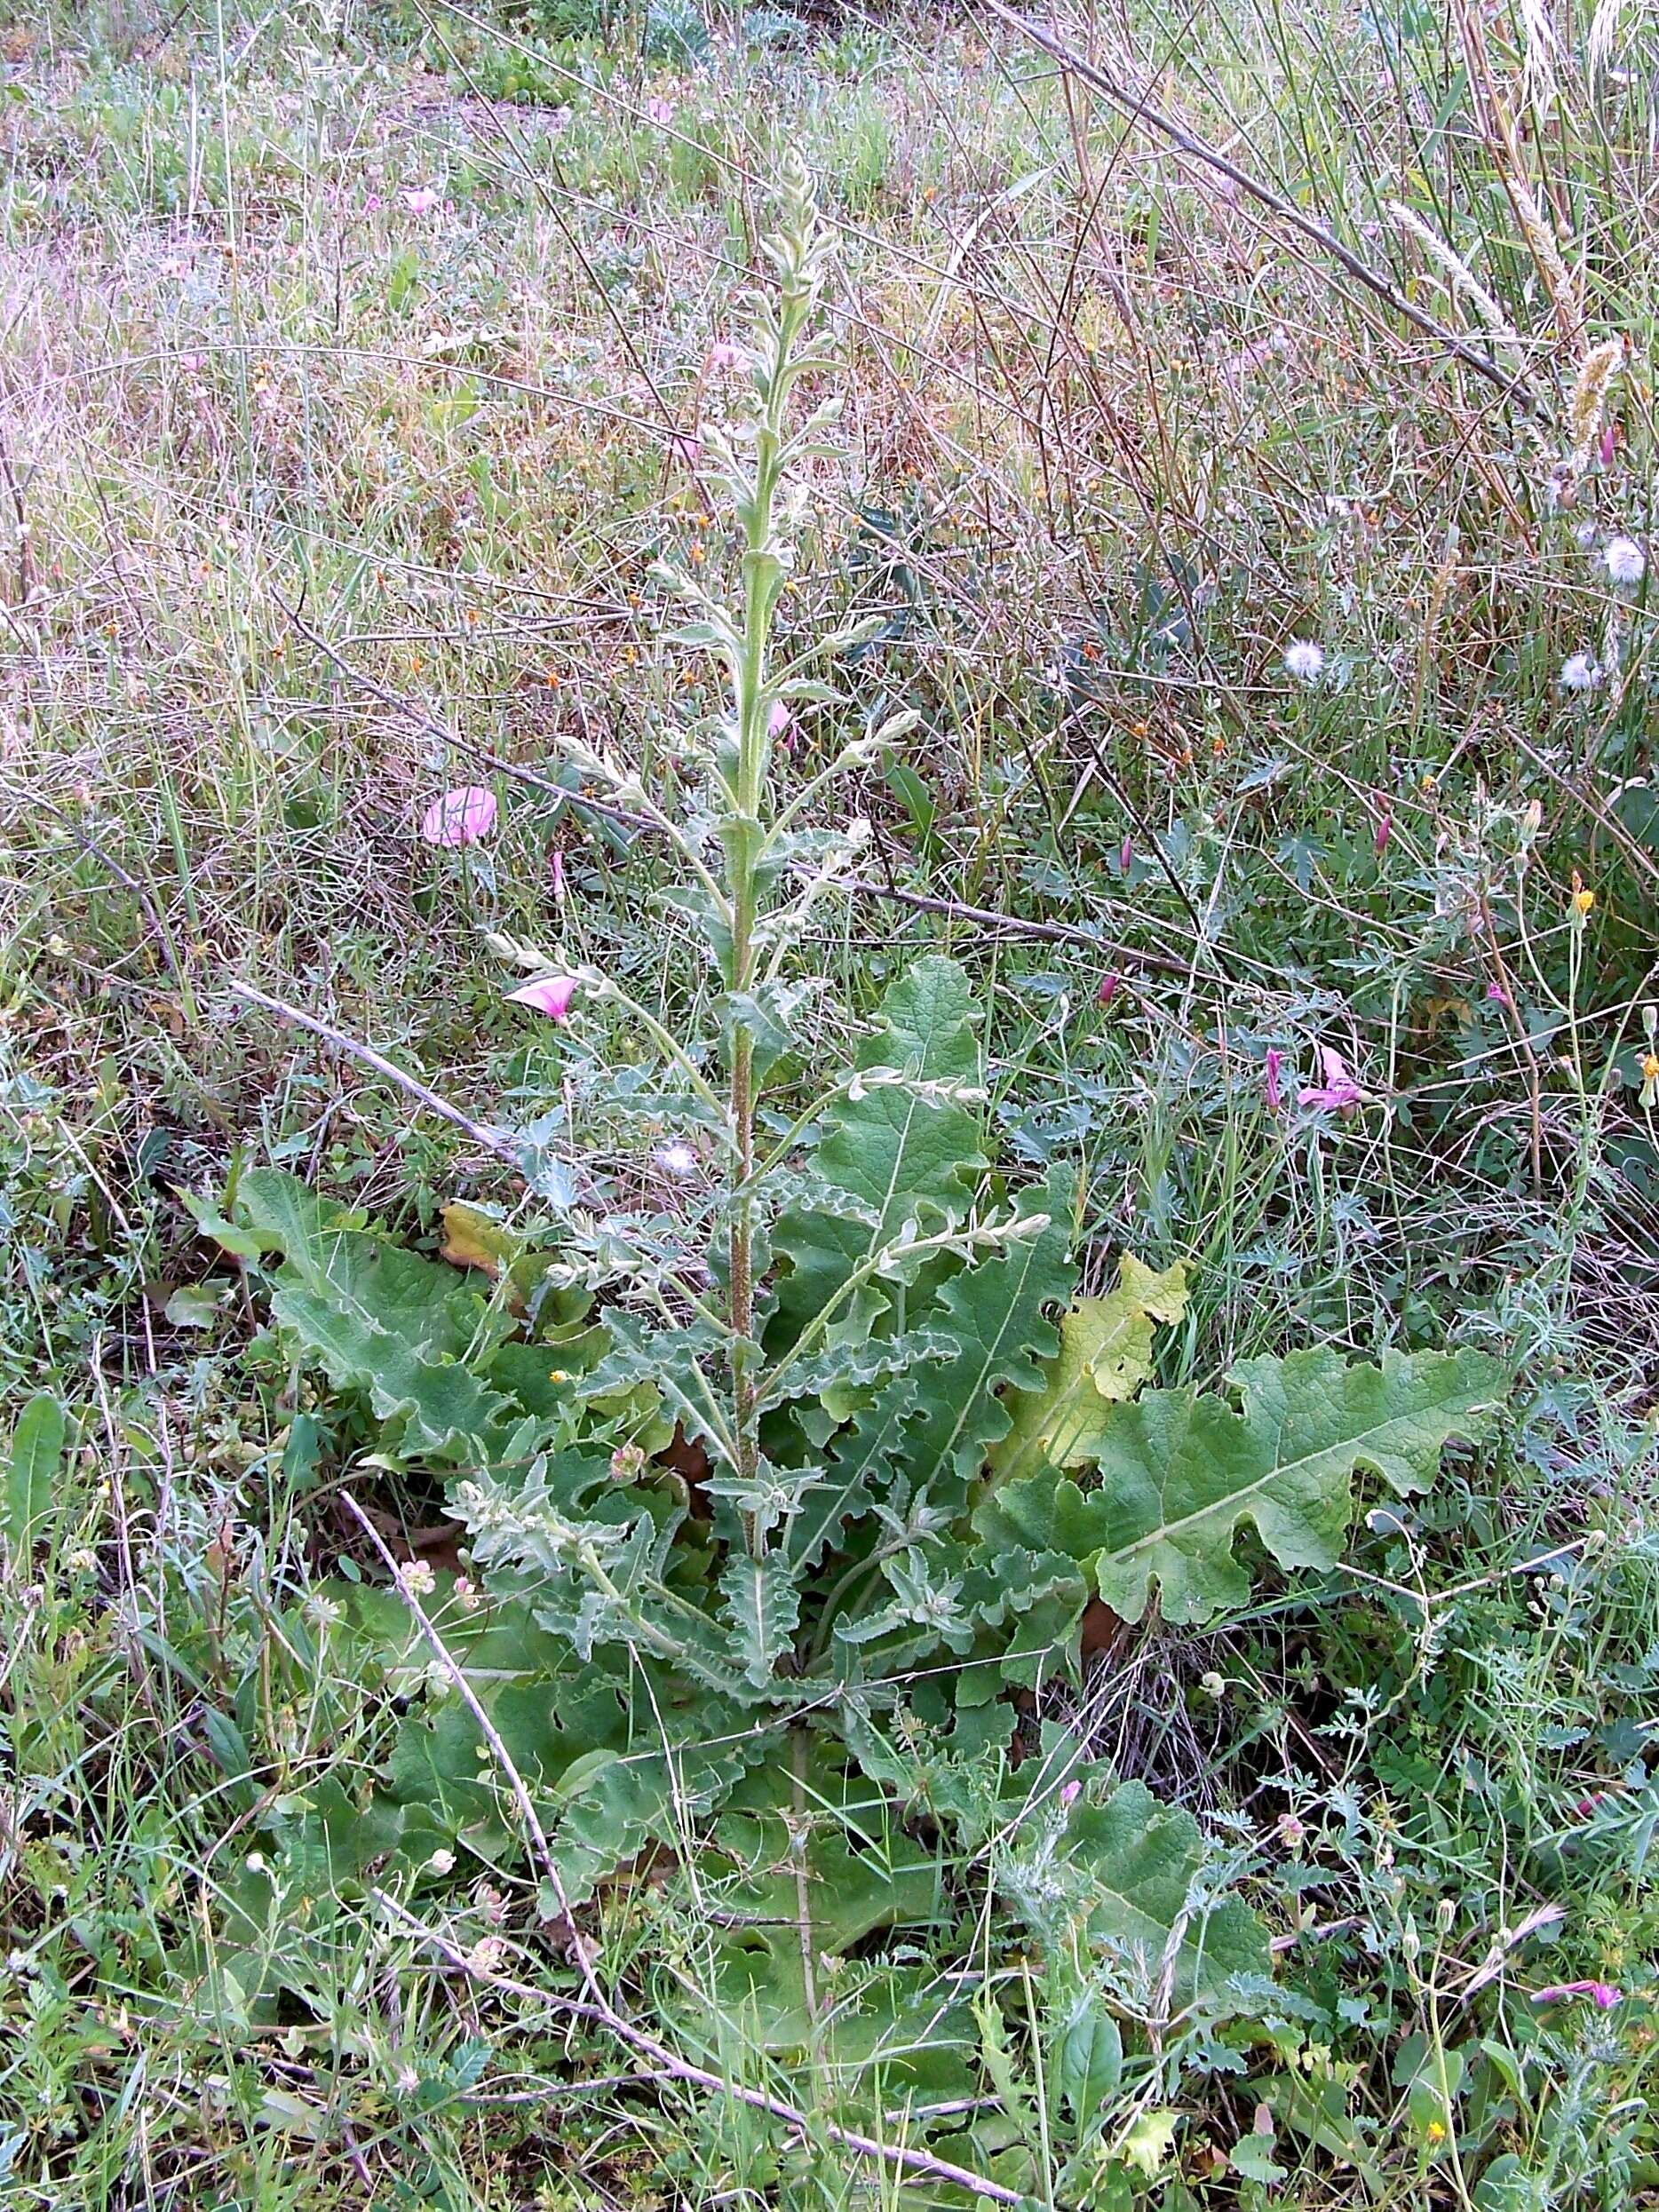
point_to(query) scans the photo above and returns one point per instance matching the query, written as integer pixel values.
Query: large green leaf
(925, 1433)
(405, 1331)
(891, 1151)
(806, 1861)
(1130, 1877)
(1178, 1471)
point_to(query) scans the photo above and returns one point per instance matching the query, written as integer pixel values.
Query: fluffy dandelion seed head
(1304, 660)
(1579, 672)
(1624, 560)
(678, 1160)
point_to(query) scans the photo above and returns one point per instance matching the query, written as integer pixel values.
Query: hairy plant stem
(752, 710)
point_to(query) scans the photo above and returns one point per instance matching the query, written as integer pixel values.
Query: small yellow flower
(1436, 2131)
(1650, 1067)
(1584, 900)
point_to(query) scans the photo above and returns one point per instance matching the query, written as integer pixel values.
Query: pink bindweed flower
(421, 199)
(1603, 1995)
(779, 720)
(548, 994)
(1270, 1079)
(1498, 995)
(1385, 829)
(1608, 447)
(1126, 855)
(1338, 1091)
(556, 870)
(723, 354)
(1069, 1793)
(1107, 991)
(460, 817)
(687, 451)
(660, 111)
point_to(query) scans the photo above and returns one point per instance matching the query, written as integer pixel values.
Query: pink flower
(660, 111)
(1603, 1995)
(1384, 830)
(371, 201)
(548, 994)
(1338, 1091)
(1270, 1079)
(687, 451)
(779, 720)
(1107, 991)
(1497, 992)
(1608, 447)
(1069, 1793)
(723, 354)
(1126, 855)
(556, 870)
(460, 817)
(421, 199)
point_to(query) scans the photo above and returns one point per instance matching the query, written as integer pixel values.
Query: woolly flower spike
(1338, 1091)
(1603, 1995)
(1304, 660)
(1579, 672)
(1624, 560)
(460, 817)
(548, 994)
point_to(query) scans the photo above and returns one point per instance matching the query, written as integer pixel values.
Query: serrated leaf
(1105, 1355)
(936, 1420)
(1178, 1472)
(763, 1600)
(671, 1361)
(894, 1148)
(1130, 1877)
(444, 1407)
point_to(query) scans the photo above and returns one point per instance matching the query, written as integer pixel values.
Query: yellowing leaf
(1105, 1355)
(472, 1238)
(1148, 2142)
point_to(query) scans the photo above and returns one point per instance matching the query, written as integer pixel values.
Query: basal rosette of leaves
(774, 1516)
(959, 1454)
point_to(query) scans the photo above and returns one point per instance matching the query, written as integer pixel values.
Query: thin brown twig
(598, 2005)
(1140, 107)
(1048, 933)
(495, 1140)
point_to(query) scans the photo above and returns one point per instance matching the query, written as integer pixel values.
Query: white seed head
(678, 1160)
(1580, 673)
(1624, 560)
(1304, 660)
